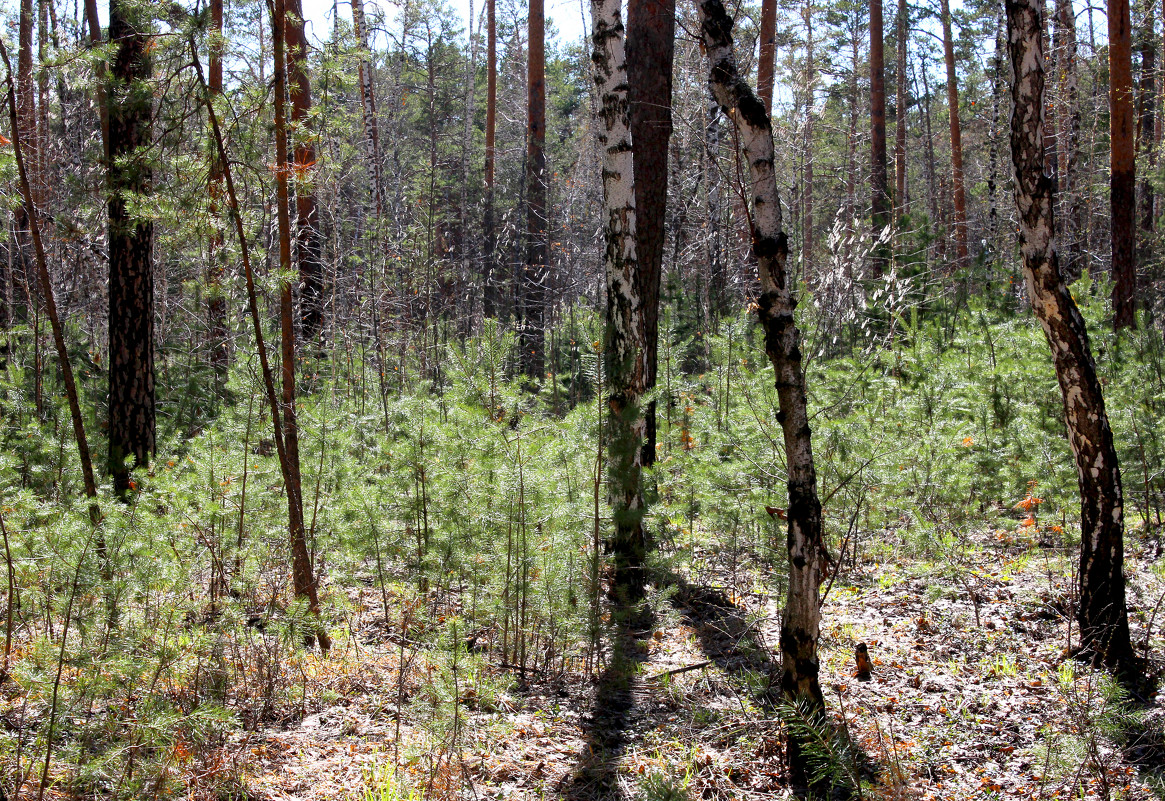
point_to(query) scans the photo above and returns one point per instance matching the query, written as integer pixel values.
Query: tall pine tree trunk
(1102, 614)
(1123, 164)
(768, 52)
(1145, 127)
(801, 622)
(533, 284)
(492, 291)
(131, 242)
(216, 255)
(957, 190)
(303, 575)
(902, 103)
(880, 201)
(650, 45)
(307, 222)
(1068, 118)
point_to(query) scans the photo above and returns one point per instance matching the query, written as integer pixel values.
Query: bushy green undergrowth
(452, 510)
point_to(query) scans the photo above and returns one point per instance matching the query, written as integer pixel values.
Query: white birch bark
(624, 350)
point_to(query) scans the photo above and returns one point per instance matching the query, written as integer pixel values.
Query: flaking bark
(800, 625)
(1102, 614)
(624, 351)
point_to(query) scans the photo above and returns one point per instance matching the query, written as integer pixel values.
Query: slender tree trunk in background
(716, 287)
(998, 81)
(768, 52)
(303, 575)
(807, 189)
(957, 190)
(650, 42)
(1068, 117)
(1102, 614)
(94, 23)
(307, 218)
(1123, 165)
(46, 288)
(216, 255)
(533, 292)
(801, 622)
(851, 173)
(368, 108)
(42, 104)
(26, 118)
(880, 208)
(624, 348)
(902, 105)
(131, 243)
(492, 292)
(1146, 125)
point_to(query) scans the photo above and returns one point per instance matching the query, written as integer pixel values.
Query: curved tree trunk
(800, 625)
(131, 242)
(624, 352)
(1102, 614)
(650, 52)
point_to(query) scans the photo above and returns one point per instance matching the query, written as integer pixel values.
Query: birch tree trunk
(1102, 614)
(801, 622)
(623, 350)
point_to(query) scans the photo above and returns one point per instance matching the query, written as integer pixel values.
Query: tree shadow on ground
(728, 638)
(595, 778)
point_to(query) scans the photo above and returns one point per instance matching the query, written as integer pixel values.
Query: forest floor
(974, 694)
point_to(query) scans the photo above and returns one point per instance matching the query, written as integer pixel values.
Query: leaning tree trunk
(624, 350)
(131, 242)
(1103, 618)
(800, 625)
(650, 52)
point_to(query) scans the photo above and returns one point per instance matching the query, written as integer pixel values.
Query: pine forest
(724, 399)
